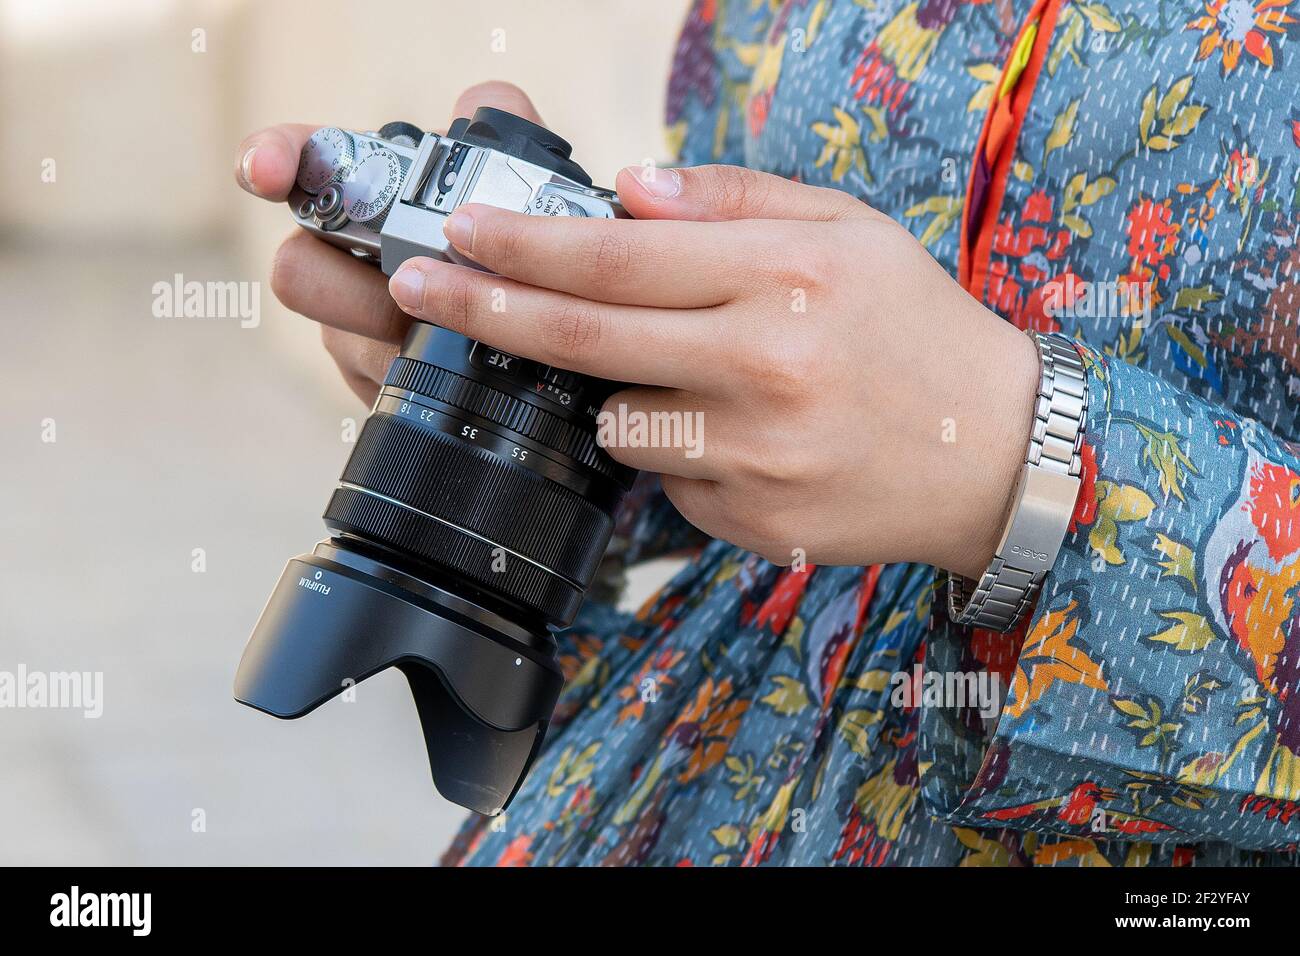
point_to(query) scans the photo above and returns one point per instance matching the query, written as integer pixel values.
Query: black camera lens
(483, 468)
(469, 519)
(471, 515)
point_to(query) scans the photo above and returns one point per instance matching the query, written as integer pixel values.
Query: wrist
(1001, 393)
(1044, 499)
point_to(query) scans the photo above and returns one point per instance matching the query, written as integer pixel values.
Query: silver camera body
(384, 196)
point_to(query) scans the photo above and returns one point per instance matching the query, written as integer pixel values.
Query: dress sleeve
(1155, 692)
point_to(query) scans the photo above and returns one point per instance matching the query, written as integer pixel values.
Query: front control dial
(326, 159)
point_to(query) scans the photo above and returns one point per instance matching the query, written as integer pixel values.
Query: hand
(858, 405)
(360, 326)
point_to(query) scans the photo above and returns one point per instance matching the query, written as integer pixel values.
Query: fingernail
(459, 228)
(246, 167)
(658, 183)
(407, 288)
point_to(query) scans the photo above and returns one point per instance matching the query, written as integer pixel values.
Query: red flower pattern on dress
(1237, 26)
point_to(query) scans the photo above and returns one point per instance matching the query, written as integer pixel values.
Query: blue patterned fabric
(1147, 208)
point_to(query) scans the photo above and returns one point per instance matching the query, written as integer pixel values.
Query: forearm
(1158, 670)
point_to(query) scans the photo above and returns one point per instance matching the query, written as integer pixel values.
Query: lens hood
(484, 687)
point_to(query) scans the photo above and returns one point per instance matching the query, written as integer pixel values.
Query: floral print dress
(1120, 172)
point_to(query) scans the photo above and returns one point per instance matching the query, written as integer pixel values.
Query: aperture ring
(505, 410)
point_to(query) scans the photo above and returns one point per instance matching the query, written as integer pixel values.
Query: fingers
(335, 288)
(699, 502)
(656, 429)
(715, 193)
(653, 346)
(362, 361)
(267, 162)
(499, 95)
(665, 264)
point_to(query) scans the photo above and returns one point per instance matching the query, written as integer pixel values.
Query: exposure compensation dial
(326, 159)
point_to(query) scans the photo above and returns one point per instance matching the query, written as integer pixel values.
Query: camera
(476, 505)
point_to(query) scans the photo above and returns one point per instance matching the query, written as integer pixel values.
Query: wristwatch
(1044, 500)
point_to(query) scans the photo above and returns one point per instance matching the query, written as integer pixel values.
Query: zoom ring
(472, 489)
(505, 410)
(476, 489)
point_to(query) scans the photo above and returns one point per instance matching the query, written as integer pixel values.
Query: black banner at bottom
(955, 907)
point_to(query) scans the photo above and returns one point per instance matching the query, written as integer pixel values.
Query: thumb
(717, 193)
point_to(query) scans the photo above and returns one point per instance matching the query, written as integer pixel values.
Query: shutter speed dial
(326, 159)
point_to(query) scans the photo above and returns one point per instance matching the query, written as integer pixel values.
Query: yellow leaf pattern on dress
(1116, 503)
(843, 147)
(1048, 657)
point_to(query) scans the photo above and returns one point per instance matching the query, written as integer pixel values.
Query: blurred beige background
(177, 437)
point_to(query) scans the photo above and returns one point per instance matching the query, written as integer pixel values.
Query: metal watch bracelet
(1043, 502)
